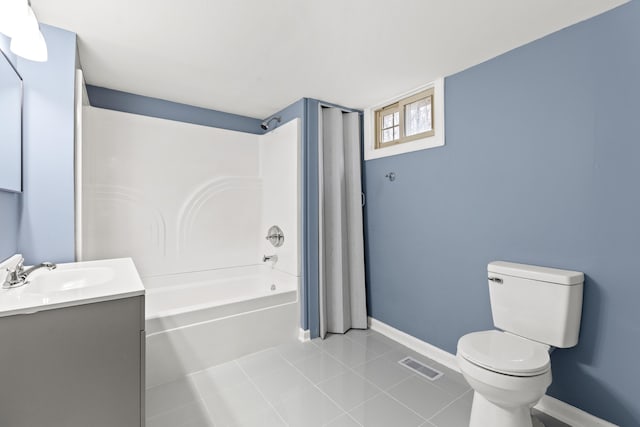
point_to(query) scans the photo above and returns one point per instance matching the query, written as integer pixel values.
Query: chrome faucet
(272, 258)
(18, 277)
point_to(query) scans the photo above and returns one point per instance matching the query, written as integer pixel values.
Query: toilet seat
(505, 353)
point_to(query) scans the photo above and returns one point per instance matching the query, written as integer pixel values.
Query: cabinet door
(72, 367)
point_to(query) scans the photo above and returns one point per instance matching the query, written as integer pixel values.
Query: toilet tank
(539, 303)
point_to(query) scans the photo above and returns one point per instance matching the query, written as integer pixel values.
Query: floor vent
(420, 368)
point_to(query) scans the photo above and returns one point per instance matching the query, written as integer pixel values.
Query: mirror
(10, 126)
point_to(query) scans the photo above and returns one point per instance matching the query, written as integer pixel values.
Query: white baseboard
(549, 405)
(570, 414)
(304, 335)
(432, 352)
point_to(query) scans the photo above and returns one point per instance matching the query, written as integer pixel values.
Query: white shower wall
(179, 197)
(279, 161)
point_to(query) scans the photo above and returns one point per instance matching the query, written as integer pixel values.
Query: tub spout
(272, 258)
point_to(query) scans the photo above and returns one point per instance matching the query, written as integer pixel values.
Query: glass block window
(406, 120)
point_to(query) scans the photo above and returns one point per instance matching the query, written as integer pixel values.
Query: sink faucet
(18, 277)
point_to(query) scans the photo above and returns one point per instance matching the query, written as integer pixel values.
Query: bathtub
(200, 319)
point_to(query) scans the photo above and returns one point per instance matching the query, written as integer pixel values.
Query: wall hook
(391, 176)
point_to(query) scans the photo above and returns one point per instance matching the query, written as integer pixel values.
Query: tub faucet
(272, 258)
(18, 277)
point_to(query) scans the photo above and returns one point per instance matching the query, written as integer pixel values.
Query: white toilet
(536, 309)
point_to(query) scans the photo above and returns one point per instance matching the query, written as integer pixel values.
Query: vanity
(72, 347)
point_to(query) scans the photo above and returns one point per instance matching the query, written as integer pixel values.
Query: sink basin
(72, 284)
(65, 280)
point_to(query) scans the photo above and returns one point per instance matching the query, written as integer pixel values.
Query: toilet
(535, 309)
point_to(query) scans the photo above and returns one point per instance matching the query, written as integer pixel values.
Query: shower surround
(181, 198)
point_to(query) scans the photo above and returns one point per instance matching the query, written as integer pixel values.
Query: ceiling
(254, 57)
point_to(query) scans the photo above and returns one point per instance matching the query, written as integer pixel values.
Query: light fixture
(12, 14)
(18, 21)
(29, 42)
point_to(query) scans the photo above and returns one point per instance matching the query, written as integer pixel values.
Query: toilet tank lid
(534, 272)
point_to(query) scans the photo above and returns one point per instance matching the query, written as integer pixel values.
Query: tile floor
(346, 380)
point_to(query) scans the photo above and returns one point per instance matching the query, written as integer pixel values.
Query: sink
(72, 284)
(65, 280)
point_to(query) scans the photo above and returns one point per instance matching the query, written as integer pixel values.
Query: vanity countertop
(72, 284)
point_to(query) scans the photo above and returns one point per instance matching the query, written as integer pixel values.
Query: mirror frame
(11, 190)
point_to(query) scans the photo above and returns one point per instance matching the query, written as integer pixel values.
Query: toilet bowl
(509, 369)
(508, 374)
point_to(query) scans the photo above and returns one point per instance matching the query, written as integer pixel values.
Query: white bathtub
(201, 319)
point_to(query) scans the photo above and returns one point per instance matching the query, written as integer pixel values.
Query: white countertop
(73, 284)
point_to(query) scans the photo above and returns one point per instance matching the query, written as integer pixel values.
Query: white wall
(280, 172)
(178, 197)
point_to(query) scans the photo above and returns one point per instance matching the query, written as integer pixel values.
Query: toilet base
(485, 413)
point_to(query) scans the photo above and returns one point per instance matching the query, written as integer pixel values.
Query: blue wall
(153, 107)
(541, 166)
(47, 217)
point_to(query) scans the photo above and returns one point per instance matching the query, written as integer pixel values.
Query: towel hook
(391, 176)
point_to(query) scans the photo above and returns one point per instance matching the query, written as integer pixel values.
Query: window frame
(380, 113)
(424, 140)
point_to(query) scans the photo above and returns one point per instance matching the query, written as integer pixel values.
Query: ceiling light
(28, 41)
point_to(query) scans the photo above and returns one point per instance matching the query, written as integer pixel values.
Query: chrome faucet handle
(19, 266)
(12, 276)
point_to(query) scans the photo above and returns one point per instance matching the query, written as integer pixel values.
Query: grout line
(261, 393)
(349, 369)
(383, 391)
(402, 403)
(174, 408)
(449, 404)
(201, 394)
(322, 391)
(405, 379)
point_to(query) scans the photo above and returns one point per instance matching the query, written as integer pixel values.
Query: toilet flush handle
(496, 280)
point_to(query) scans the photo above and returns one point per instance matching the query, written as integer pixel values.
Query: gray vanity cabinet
(80, 366)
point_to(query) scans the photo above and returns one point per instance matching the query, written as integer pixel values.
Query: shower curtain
(341, 251)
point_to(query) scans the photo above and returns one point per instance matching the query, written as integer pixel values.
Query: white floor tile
(280, 384)
(190, 415)
(348, 390)
(262, 418)
(343, 421)
(298, 351)
(373, 341)
(218, 378)
(456, 414)
(451, 381)
(421, 397)
(383, 372)
(275, 388)
(308, 409)
(260, 363)
(320, 367)
(166, 397)
(383, 411)
(347, 351)
(235, 404)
